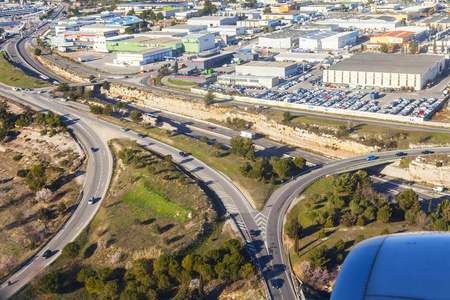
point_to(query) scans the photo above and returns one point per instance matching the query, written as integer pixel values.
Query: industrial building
(363, 22)
(228, 30)
(139, 43)
(393, 37)
(247, 80)
(211, 21)
(183, 28)
(195, 43)
(326, 39)
(386, 70)
(209, 60)
(264, 68)
(141, 6)
(284, 39)
(17, 10)
(258, 23)
(301, 57)
(143, 57)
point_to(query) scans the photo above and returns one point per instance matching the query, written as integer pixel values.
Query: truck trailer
(247, 134)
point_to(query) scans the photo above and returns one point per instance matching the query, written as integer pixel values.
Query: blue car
(372, 157)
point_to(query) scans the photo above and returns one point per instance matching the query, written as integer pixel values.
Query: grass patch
(15, 77)
(404, 163)
(145, 197)
(181, 82)
(256, 191)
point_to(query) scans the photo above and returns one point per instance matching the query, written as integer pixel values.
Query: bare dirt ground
(21, 230)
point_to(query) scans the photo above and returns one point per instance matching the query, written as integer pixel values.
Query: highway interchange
(266, 249)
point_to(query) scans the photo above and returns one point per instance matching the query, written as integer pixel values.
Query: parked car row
(420, 108)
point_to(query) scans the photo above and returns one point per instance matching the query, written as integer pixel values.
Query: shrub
(384, 231)
(360, 221)
(359, 238)
(204, 139)
(22, 173)
(321, 234)
(439, 164)
(384, 214)
(17, 157)
(50, 283)
(340, 245)
(71, 250)
(43, 132)
(218, 145)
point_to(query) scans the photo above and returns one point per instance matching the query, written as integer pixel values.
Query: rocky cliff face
(423, 169)
(327, 145)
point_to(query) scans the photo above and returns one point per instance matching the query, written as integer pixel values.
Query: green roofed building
(140, 43)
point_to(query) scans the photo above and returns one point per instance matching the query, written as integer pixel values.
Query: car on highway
(372, 157)
(63, 99)
(184, 154)
(91, 200)
(126, 76)
(47, 254)
(92, 149)
(253, 232)
(16, 89)
(26, 89)
(427, 152)
(274, 283)
(209, 127)
(140, 135)
(401, 154)
(40, 92)
(123, 129)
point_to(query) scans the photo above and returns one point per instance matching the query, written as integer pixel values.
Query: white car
(64, 100)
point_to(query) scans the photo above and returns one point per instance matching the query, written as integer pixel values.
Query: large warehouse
(281, 39)
(264, 68)
(327, 39)
(386, 70)
(247, 80)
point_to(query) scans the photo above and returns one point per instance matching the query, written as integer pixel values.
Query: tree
(413, 47)
(440, 225)
(267, 10)
(136, 116)
(321, 234)
(91, 77)
(281, 166)
(360, 221)
(340, 245)
(434, 46)
(294, 228)
(43, 195)
(359, 238)
(108, 110)
(159, 16)
(71, 250)
(443, 209)
(348, 220)
(242, 147)
(96, 109)
(329, 223)
(175, 67)
(218, 145)
(318, 257)
(63, 87)
(37, 51)
(168, 158)
(106, 85)
(384, 48)
(50, 283)
(36, 179)
(384, 231)
(209, 98)
(384, 214)
(407, 199)
(61, 207)
(130, 12)
(300, 162)
(286, 117)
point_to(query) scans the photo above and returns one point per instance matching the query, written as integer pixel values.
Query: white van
(438, 189)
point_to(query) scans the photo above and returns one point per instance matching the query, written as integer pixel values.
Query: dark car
(274, 283)
(140, 135)
(408, 183)
(184, 154)
(92, 149)
(47, 254)
(427, 152)
(401, 154)
(252, 232)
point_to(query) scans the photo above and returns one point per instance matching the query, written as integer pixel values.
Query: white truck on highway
(247, 134)
(85, 58)
(439, 189)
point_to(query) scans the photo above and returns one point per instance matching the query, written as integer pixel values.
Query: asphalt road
(267, 248)
(279, 202)
(96, 183)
